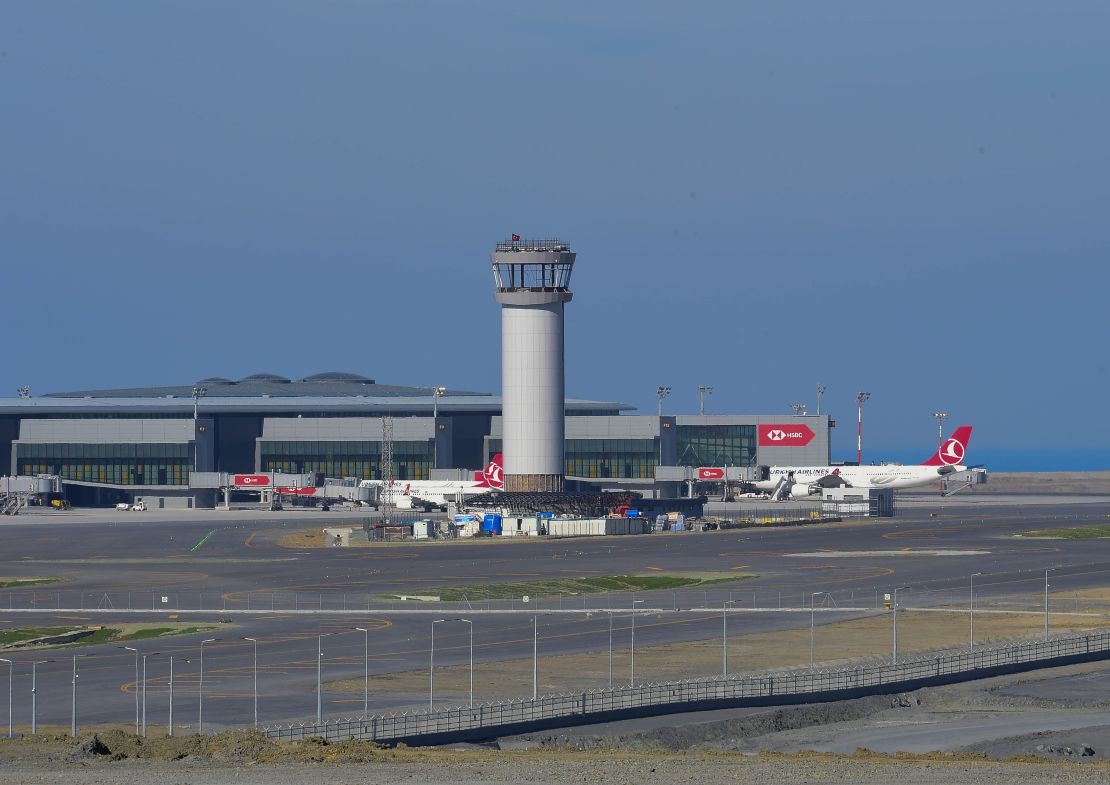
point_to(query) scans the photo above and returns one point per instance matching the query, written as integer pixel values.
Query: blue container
(632, 514)
(491, 523)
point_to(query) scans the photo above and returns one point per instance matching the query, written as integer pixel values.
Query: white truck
(138, 506)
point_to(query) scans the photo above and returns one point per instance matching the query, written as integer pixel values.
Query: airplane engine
(801, 490)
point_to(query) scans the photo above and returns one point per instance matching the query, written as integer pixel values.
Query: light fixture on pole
(319, 679)
(255, 642)
(860, 398)
(199, 392)
(136, 683)
(820, 391)
(1046, 572)
(437, 393)
(632, 671)
(799, 408)
(145, 655)
(940, 418)
(812, 632)
(11, 668)
(34, 695)
(971, 632)
(724, 636)
(894, 649)
(365, 669)
(703, 391)
(24, 392)
(73, 699)
(200, 686)
(610, 650)
(662, 392)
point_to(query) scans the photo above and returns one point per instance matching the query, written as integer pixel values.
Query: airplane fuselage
(883, 476)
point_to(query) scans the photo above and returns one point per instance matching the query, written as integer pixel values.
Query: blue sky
(904, 198)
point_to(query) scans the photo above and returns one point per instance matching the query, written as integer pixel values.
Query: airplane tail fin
(493, 476)
(954, 449)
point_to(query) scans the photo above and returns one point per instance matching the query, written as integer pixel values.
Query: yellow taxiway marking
(657, 569)
(74, 618)
(247, 542)
(741, 567)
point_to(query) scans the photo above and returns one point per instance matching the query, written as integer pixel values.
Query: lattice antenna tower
(387, 461)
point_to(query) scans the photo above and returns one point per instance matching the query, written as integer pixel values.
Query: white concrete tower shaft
(532, 280)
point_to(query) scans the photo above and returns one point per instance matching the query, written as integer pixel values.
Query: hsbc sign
(251, 480)
(788, 435)
(711, 473)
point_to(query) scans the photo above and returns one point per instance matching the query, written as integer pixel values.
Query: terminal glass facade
(113, 464)
(716, 445)
(630, 459)
(411, 460)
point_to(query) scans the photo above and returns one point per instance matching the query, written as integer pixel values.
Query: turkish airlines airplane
(802, 481)
(409, 494)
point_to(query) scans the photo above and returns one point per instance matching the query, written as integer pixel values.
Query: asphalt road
(204, 562)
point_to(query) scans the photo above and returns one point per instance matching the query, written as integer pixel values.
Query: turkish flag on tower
(516, 238)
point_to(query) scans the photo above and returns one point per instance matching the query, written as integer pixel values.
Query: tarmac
(207, 560)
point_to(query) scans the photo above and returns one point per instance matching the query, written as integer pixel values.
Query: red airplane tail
(493, 476)
(953, 451)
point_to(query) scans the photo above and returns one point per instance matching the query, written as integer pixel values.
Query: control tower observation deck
(532, 280)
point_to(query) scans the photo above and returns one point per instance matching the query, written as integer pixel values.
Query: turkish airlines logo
(247, 480)
(952, 453)
(494, 475)
(779, 435)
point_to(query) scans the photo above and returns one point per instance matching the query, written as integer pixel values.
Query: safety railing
(678, 696)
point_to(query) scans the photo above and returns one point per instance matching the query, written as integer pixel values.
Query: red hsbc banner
(711, 473)
(251, 480)
(295, 491)
(790, 435)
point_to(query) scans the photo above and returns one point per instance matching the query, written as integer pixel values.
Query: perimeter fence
(485, 720)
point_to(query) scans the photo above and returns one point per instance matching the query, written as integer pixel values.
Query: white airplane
(429, 494)
(802, 481)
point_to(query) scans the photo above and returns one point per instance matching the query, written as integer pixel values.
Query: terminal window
(361, 459)
(111, 464)
(716, 445)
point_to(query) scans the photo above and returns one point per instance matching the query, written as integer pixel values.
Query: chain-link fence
(786, 686)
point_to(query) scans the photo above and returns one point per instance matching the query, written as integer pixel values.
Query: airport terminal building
(114, 445)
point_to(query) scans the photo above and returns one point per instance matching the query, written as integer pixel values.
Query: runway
(211, 564)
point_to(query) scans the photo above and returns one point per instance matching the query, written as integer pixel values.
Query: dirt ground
(833, 642)
(1076, 483)
(245, 757)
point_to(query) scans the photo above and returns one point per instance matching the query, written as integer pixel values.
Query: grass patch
(1073, 533)
(103, 635)
(18, 583)
(575, 586)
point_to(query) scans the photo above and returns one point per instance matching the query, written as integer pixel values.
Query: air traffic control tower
(532, 280)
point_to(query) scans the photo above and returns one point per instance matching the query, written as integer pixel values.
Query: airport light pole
(798, 408)
(437, 393)
(200, 686)
(11, 668)
(632, 672)
(940, 418)
(894, 650)
(170, 727)
(151, 654)
(610, 650)
(812, 631)
(319, 679)
(136, 653)
(1046, 572)
(535, 657)
(255, 642)
(860, 398)
(199, 392)
(971, 632)
(73, 699)
(365, 669)
(724, 636)
(662, 392)
(34, 695)
(703, 391)
(820, 391)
